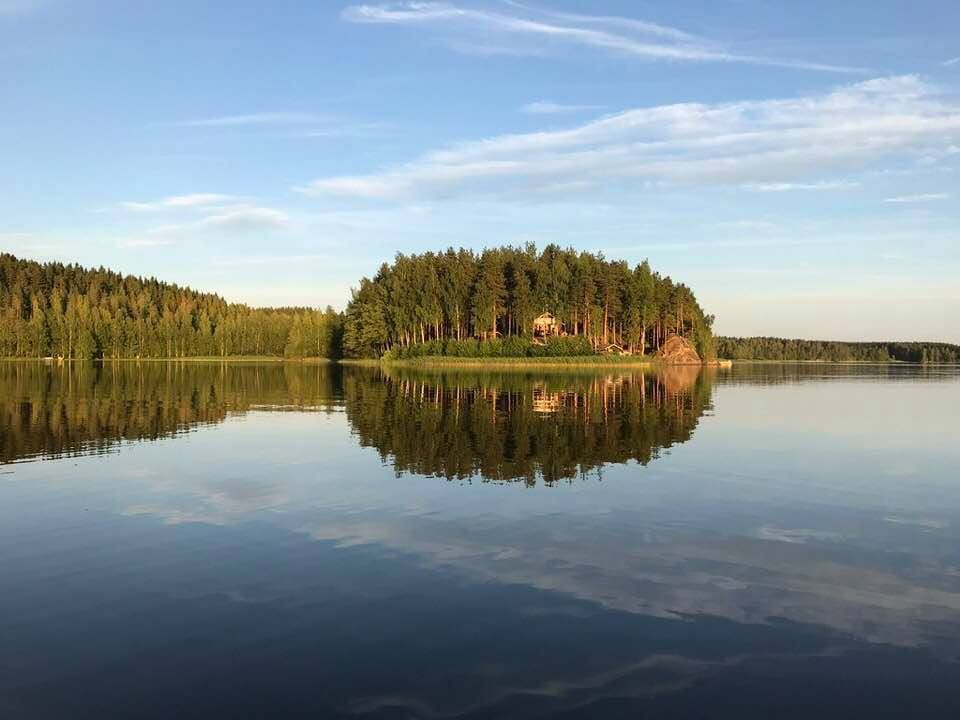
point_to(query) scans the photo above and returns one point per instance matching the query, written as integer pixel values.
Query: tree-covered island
(518, 302)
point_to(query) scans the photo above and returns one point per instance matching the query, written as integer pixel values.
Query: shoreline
(198, 359)
(572, 361)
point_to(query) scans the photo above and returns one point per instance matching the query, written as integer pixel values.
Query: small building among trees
(545, 325)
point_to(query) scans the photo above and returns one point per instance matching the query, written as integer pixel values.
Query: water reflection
(502, 427)
(499, 427)
(780, 541)
(50, 411)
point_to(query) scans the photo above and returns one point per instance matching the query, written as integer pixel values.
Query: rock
(678, 350)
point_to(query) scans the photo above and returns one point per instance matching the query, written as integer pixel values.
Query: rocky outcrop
(679, 351)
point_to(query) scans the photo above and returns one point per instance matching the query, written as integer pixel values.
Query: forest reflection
(524, 427)
(82, 408)
(504, 426)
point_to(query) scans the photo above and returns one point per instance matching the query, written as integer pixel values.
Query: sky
(796, 164)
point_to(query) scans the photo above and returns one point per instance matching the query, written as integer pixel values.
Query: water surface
(205, 540)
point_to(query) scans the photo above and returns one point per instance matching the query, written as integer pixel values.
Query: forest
(53, 309)
(770, 348)
(463, 303)
(456, 303)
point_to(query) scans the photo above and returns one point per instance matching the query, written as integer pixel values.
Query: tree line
(53, 309)
(467, 303)
(770, 348)
(456, 302)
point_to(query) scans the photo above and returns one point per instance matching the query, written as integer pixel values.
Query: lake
(276, 540)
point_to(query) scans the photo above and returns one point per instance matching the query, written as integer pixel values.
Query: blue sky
(797, 164)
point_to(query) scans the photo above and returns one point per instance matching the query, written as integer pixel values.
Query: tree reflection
(51, 411)
(522, 427)
(505, 426)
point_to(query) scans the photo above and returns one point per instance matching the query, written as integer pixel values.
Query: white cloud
(623, 36)
(640, 26)
(264, 118)
(195, 200)
(918, 197)
(246, 218)
(546, 107)
(951, 62)
(792, 186)
(239, 218)
(766, 144)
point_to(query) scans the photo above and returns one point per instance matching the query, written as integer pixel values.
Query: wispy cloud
(641, 26)
(260, 119)
(246, 218)
(951, 62)
(771, 145)
(623, 36)
(195, 200)
(546, 107)
(290, 124)
(794, 186)
(229, 219)
(917, 198)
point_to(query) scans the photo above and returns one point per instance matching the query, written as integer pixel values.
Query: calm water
(271, 541)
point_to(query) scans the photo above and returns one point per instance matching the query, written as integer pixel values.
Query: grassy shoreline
(450, 361)
(196, 359)
(533, 362)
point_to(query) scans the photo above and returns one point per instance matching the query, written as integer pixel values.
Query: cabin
(614, 349)
(545, 325)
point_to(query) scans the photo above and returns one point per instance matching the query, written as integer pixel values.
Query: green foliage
(458, 299)
(512, 346)
(769, 348)
(73, 312)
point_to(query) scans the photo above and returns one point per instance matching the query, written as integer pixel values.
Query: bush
(568, 347)
(468, 348)
(513, 346)
(491, 348)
